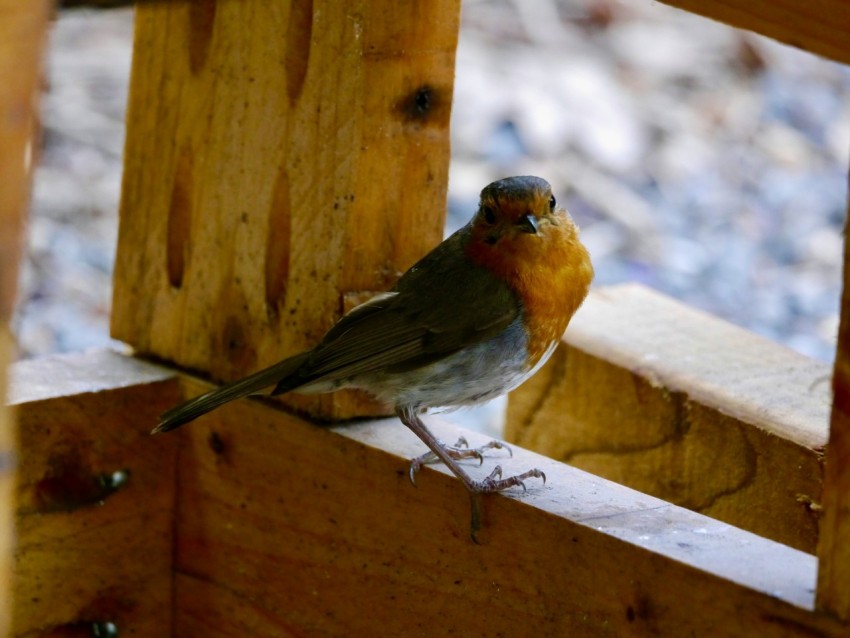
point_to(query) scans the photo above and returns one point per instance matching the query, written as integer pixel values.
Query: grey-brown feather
(393, 334)
(409, 326)
(193, 408)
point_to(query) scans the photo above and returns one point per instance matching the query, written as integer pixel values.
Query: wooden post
(284, 161)
(834, 547)
(23, 31)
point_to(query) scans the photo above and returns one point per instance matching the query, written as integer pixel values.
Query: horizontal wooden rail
(819, 26)
(281, 527)
(679, 404)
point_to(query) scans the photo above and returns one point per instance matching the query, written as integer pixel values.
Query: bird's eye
(552, 202)
(489, 215)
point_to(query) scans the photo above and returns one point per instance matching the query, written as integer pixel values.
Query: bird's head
(522, 236)
(517, 209)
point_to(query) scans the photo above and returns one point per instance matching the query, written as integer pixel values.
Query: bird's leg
(459, 451)
(493, 483)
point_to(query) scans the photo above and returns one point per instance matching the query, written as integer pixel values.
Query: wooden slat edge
(833, 594)
(715, 362)
(63, 375)
(635, 518)
(820, 27)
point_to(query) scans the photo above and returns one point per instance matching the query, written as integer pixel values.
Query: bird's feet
(495, 482)
(460, 451)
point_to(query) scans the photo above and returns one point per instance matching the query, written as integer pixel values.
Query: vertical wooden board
(686, 407)
(8, 452)
(94, 499)
(286, 529)
(23, 33)
(281, 158)
(834, 547)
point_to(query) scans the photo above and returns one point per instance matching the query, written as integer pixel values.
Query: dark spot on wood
(69, 484)
(419, 105)
(299, 35)
(201, 16)
(630, 613)
(278, 241)
(215, 442)
(232, 345)
(179, 226)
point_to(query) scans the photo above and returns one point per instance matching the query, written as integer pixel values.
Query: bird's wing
(441, 305)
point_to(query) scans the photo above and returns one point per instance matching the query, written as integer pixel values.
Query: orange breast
(549, 271)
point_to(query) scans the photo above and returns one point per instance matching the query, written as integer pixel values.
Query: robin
(470, 321)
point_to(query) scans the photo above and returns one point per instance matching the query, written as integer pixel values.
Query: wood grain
(819, 26)
(255, 522)
(834, 546)
(93, 546)
(684, 406)
(281, 158)
(288, 529)
(23, 32)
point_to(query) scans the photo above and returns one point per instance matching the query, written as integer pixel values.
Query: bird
(470, 321)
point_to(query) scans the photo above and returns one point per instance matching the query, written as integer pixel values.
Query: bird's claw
(415, 464)
(495, 483)
(459, 451)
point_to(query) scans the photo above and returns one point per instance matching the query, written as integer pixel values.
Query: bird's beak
(528, 224)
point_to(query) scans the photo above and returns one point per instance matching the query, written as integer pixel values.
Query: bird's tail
(193, 408)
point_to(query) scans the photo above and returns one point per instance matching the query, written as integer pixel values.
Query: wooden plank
(834, 547)
(673, 402)
(819, 26)
(94, 499)
(285, 528)
(23, 32)
(282, 159)
(288, 529)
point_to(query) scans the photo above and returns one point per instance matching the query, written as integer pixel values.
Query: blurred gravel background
(705, 162)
